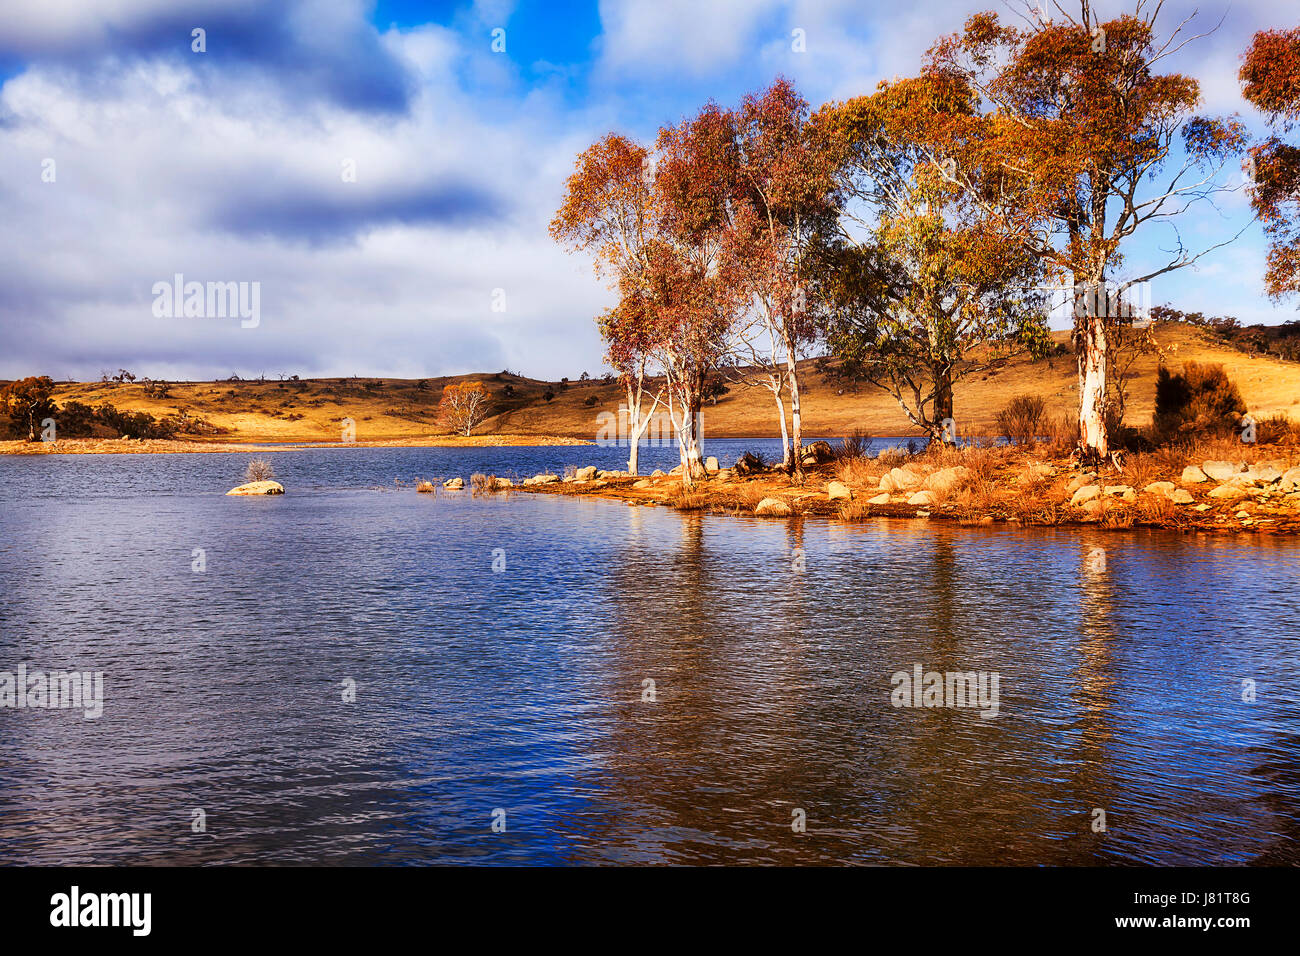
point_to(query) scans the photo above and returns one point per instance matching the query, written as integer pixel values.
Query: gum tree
(464, 406)
(1079, 141)
(695, 279)
(786, 204)
(927, 287)
(1270, 76)
(608, 211)
(630, 331)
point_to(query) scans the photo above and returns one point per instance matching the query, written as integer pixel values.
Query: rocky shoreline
(992, 486)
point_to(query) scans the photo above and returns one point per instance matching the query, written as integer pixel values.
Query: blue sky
(226, 165)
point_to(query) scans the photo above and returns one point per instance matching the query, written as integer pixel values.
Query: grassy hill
(397, 409)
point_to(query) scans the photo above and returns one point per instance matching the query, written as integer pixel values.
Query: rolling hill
(404, 409)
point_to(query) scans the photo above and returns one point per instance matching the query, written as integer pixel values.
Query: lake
(608, 683)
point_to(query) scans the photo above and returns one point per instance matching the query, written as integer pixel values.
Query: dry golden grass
(396, 409)
(854, 509)
(859, 472)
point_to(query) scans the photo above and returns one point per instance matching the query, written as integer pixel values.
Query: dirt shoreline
(159, 446)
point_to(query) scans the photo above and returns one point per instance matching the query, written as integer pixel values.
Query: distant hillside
(388, 409)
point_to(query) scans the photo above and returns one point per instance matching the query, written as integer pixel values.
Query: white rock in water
(258, 488)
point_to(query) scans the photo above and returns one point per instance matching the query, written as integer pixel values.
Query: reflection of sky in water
(1120, 687)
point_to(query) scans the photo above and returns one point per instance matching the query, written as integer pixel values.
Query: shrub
(1202, 400)
(1020, 419)
(259, 469)
(1277, 429)
(856, 445)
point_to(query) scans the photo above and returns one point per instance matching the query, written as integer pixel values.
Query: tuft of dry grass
(1142, 468)
(891, 457)
(854, 509)
(1157, 510)
(690, 501)
(858, 472)
(1118, 515)
(426, 487)
(482, 484)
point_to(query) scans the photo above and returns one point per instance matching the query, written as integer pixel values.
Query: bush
(1202, 400)
(1277, 429)
(1020, 419)
(856, 445)
(259, 469)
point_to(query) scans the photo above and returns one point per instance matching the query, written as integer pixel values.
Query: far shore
(160, 446)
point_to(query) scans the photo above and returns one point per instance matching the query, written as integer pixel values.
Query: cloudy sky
(230, 165)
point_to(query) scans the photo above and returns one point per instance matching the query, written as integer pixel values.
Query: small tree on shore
(27, 402)
(464, 406)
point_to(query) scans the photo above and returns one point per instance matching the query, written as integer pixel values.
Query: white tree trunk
(1092, 382)
(785, 432)
(796, 424)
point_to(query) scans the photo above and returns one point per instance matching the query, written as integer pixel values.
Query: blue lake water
(518, 693)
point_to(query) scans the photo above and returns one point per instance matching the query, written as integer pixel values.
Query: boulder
(425, 488)
(772, 507)
(1085, 494)
(541, 479)
(1290, 480)
(921, 498)
(643, 483)
(1228, 491)
(1078, 481)
(748, 464)
(1181, 496)
(1220, 470)
(838, 489)
(711, 465)
(454, 484)
(1121, 491)
(879, 500)
(1165, 488)
(503, 483)
(1265, 474)
(945, 479)
(258, 488)
(818, 453)
(676, 470)
(657, 473)
(899, 479)
(585, 474)
(1193, 475)
(1093, 509)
